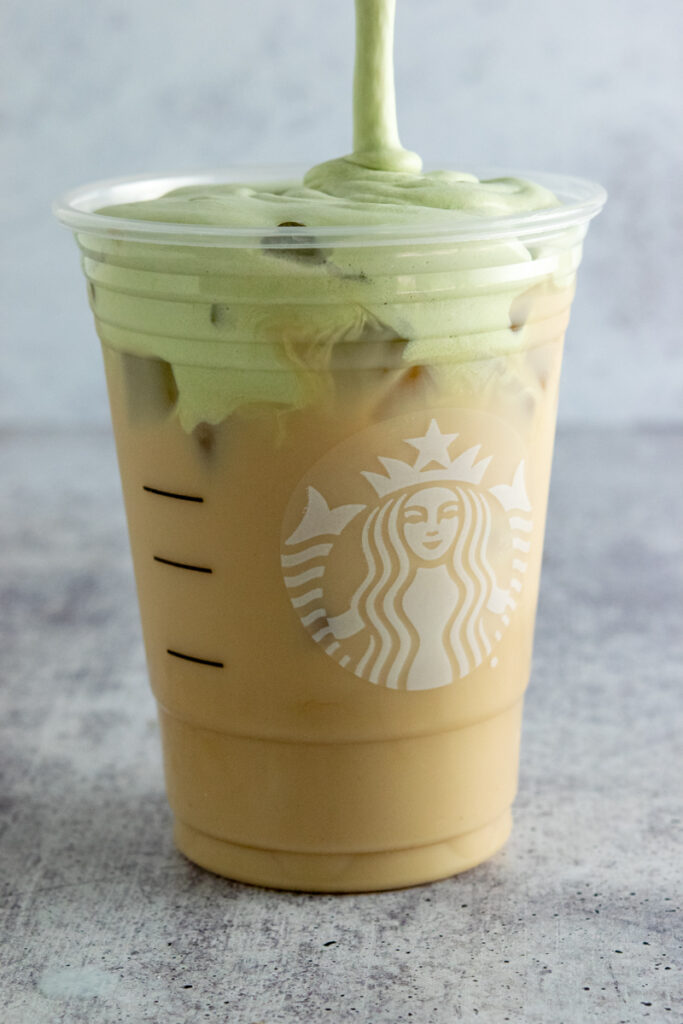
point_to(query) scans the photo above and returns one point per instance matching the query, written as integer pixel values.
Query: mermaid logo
(413, 588)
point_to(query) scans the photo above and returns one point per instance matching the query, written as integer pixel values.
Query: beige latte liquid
(338, 604)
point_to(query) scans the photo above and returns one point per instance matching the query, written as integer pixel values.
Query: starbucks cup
(335, 448)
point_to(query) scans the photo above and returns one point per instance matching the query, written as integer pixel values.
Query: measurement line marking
(199, 661)
(171, 494)
(181, 565)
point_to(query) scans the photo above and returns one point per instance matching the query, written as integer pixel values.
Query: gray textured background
(578, 918)
(98, 90)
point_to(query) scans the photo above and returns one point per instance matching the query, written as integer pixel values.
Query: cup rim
(581, 200)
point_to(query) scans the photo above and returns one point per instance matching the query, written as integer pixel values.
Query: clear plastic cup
(335, 449)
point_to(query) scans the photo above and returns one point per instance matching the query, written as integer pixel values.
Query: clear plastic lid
(580, 201)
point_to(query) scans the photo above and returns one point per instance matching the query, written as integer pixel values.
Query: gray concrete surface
(574, 922)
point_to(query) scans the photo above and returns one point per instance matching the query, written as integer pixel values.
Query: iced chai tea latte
(334, 404)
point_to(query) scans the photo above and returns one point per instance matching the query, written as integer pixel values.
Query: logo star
(433, 447)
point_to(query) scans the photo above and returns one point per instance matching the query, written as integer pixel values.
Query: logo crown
(432, 447)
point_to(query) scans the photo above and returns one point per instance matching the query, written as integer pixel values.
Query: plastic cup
(335, 449)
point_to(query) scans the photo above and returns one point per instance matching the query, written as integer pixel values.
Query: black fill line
(171, 494)
(199, 661)
(181, 565)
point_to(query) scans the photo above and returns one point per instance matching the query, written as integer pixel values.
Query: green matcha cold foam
(334, 397)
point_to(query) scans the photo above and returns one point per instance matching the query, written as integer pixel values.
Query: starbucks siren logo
(413, 588)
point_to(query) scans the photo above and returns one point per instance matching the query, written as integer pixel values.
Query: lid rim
(76, 210)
